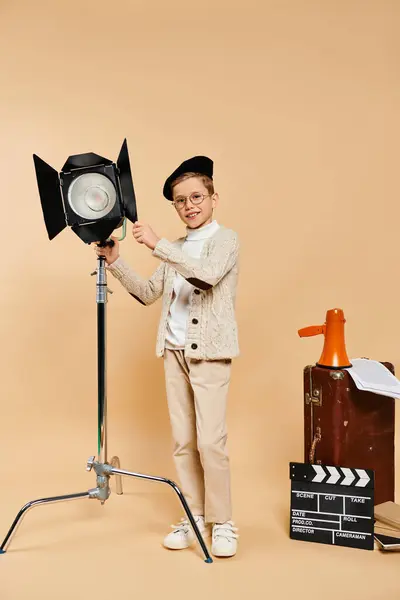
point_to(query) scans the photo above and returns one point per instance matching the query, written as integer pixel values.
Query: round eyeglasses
(195, 198)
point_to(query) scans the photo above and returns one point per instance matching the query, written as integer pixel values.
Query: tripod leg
(181, 498)
(118, 479)
(30, 505)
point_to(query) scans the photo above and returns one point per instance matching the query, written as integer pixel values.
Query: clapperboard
(332, 505)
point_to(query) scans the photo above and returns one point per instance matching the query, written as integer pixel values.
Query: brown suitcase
(347, 427)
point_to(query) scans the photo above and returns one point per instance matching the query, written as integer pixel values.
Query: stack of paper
(373, 376)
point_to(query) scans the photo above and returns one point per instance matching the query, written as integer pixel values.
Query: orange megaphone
(334, 353)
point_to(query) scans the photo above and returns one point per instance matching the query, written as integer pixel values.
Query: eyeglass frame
(204, 196)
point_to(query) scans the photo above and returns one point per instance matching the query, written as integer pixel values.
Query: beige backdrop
(297, 103)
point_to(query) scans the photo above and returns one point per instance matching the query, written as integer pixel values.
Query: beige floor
(81, 549)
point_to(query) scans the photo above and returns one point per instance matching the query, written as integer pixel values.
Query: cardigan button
(195, 321)
(197, 291)
(194, 346)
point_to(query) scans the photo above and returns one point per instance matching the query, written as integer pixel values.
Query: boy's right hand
(110, 253)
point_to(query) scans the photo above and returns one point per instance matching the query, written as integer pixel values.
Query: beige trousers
(197, 397)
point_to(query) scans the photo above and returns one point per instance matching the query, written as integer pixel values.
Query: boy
(197, 337)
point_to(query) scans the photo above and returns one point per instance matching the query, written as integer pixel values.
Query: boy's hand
(110, 254)
(145, 235)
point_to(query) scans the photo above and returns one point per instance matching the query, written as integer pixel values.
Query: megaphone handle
(313, 330)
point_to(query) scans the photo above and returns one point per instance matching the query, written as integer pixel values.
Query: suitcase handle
(317, 438)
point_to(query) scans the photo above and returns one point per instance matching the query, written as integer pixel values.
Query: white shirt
(179, 310)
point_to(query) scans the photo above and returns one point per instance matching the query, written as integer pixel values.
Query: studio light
(91, 194)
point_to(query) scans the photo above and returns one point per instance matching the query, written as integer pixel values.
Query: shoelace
(226, 530)
(183, 525)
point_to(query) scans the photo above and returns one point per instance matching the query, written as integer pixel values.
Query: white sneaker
(183, 535)
(224, 539)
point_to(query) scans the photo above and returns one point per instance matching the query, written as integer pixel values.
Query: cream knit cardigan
(212, 328)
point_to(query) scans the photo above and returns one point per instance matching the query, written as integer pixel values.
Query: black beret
(197, 164)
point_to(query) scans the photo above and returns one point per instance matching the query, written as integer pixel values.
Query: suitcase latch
(315, 397)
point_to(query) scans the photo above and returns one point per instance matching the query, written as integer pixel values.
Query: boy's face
(192, 214)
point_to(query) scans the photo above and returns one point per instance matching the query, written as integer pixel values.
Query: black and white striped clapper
(332, 505)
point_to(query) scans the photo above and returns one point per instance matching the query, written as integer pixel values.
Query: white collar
(203, 233)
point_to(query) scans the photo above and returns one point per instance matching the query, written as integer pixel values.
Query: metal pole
(114, 462)
(101, 299)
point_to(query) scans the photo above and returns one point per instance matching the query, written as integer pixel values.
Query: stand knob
(90, 463)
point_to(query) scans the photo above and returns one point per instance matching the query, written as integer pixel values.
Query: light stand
(102, 468)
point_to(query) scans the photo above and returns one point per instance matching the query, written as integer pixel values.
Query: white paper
(373, 376)
(374, 390)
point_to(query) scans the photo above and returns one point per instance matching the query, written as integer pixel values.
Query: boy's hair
(207, 181)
